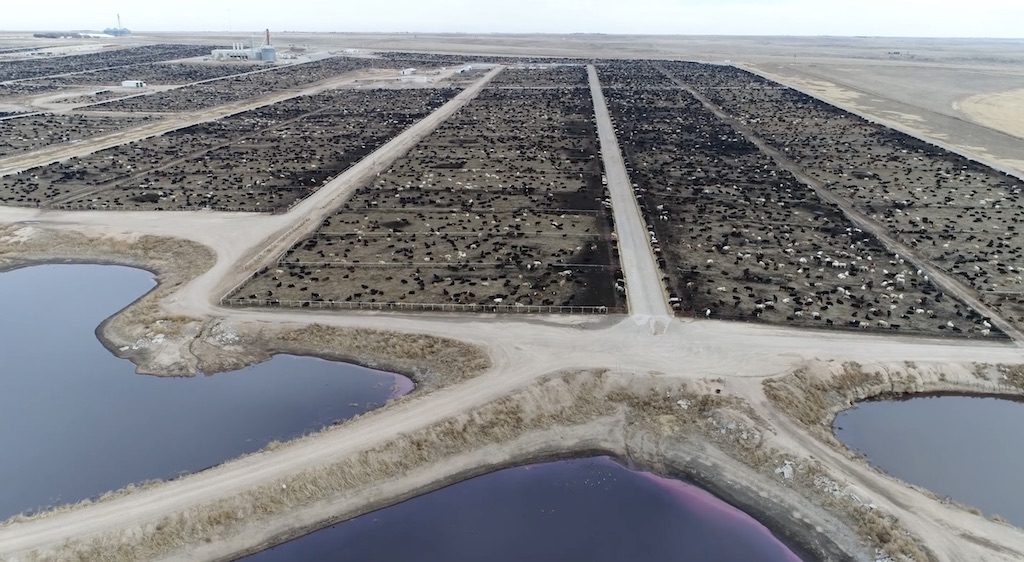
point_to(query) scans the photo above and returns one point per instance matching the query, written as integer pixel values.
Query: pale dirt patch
(1002, 110)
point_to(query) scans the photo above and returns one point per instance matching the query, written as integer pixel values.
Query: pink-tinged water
(588, 510)
(401, 387)
(711, 507)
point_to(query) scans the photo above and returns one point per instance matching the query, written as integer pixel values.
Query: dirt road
(644, 293)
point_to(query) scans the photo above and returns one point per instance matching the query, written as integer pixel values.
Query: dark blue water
(75, 421)
(968, 448)
(587, 510)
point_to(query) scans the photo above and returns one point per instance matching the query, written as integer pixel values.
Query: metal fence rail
(425, 307)
(462, 233)
(397, 265)
(72, 206)
(453, 265)
(822, 326)
(481, 211)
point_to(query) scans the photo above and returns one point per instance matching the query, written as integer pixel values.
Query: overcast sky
(914, 18)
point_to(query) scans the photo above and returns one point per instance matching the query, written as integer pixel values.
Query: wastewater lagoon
(76, 421)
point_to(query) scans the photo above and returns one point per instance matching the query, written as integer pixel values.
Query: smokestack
(268, 36)
(119, 21)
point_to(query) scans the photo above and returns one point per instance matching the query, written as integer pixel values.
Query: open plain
(707, 265)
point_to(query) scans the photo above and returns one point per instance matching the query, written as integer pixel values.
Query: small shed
(133, 84)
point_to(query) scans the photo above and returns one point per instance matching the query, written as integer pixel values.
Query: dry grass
(813, 396)
(876, 526)
(432, 361)
(1012, 375)
(811, 399)
(980, 371)
(177, 259)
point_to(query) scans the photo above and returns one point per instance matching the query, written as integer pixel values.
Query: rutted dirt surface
(999, 110)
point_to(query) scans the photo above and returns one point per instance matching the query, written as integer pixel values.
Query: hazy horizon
(259, 31)
(986, 19)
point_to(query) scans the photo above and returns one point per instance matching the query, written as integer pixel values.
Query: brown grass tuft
(810, 398)
(433, 361)
(1012, 375)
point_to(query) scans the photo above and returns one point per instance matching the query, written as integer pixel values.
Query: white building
(239, 51)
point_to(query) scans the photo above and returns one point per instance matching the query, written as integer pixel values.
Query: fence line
(238, 286)
(462, 233)
(218, 208)
(1004, 292)
(840, 326)
(438, 264)
(513, 211)
(424, 307)
(385, 265)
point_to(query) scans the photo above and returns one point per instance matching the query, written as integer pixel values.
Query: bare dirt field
(742, 408)
(999, 110)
